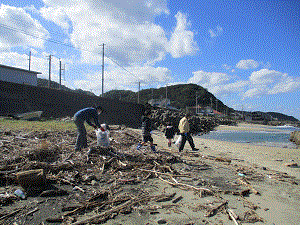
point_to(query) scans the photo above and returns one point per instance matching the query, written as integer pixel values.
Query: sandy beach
(279, 200)
(222, 183)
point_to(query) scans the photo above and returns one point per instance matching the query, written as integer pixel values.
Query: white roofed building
(17, 75)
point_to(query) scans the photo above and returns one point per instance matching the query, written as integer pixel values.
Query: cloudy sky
(244, 52)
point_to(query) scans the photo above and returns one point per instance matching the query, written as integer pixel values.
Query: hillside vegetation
(44, 83)
(181, 96)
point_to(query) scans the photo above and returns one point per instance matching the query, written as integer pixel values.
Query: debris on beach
(99, 184)
(199, 125)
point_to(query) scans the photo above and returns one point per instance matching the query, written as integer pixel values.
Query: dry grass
(45, 125)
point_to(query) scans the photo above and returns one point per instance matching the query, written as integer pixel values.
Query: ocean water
(274, 137)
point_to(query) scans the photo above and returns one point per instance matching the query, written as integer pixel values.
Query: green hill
(282, 117)
(181, 96)
(54, 85)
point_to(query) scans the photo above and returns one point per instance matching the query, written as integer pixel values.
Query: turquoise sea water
(275, 136)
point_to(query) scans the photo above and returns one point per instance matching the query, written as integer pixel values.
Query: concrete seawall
(18, 98)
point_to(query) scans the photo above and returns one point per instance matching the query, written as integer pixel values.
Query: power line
(61, 43)
(45, 39)
(68, 45)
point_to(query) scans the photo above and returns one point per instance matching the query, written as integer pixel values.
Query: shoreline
(249, 127)
(257, 128)
(278, 202)
(273, 157)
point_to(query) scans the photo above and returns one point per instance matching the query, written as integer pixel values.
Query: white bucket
(102, 138)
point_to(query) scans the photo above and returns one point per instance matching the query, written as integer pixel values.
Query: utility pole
(29, 59)
(139, 92)
(103, 70)
(60, 69)
(166, 91)
(197, 105)
(152, 93)
(49, 81)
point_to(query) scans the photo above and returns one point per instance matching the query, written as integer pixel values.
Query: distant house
(165, 102)
(215, 112)
(17, 75)
(200, 110)
(162, 103)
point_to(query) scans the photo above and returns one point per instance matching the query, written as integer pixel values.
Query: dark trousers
(81, 141)
(187, 137)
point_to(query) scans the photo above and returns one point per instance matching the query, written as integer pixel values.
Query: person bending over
(89, 115)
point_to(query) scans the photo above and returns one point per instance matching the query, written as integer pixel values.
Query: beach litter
(106, 182)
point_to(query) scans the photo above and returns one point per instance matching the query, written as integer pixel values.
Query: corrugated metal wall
(17, 76)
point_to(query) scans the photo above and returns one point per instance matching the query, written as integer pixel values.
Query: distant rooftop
(19, 69)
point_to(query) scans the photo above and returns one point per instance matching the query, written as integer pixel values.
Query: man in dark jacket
(147, 127)
(90, 115)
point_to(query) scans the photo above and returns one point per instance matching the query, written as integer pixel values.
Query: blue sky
(244, 52)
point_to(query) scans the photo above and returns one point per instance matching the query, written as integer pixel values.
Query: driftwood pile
(198, 124)
(66, 187)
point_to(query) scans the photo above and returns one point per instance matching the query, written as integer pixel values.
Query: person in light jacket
(184, 129)
(90, 115)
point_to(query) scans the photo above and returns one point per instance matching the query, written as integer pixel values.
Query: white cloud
(215, 32)
(227, 67)
(247, 64)
(182, 40)
(253, 92)
(265, 76)
(16, 24)
(56, 15)
(235, 86)
(127, 28)
(213, 81)
(209, 77)
(262, 82)
(116, 78)
(273, 82)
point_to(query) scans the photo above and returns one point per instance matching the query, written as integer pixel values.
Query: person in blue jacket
(90, 115)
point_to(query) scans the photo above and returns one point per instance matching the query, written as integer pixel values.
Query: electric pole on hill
(49, 81)
(139, 92)
(166, 91)
(60, 69)
(29, 59)
(103, 70)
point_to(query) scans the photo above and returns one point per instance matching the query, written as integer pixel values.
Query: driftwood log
(129, 203)
(246, 183)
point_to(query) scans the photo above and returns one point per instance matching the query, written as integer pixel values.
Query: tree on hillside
(181, 96)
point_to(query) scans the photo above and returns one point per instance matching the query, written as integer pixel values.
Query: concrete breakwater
(198, 124)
